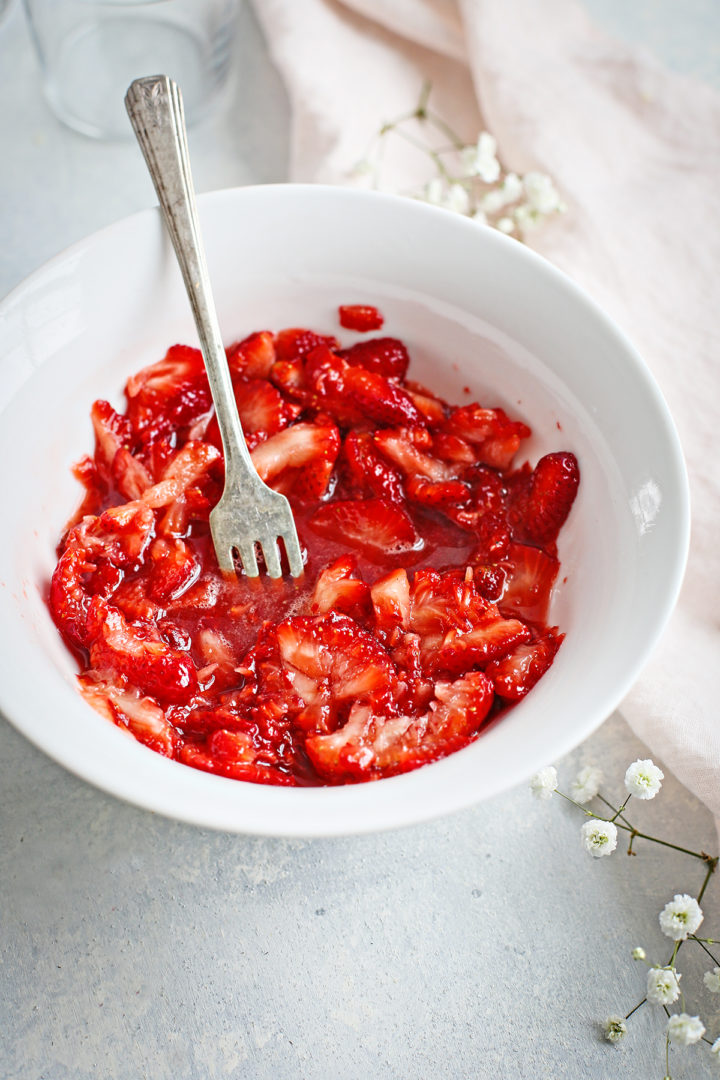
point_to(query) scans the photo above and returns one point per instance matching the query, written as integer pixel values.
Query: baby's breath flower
(541, 193)
(480, 160)
(638, 953)
(480, 216)
(643, 779)
(586, 784)
(543, 783)
(599, 837)
(508, 192)
(526, 217)
(505, 225)
(435, 192)
(684, 1030)
(681, 916)
(614, 1029)
(662, 986)
(712, 981)
(457, 199)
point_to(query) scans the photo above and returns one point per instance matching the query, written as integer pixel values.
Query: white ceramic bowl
(476, 309)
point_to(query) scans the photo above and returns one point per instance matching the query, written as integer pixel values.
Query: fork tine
(293, 552)
(246, 552)
(272, 557)
(225, 559)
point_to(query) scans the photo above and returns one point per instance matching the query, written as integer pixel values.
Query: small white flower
(684, 1030)
(614, 1029)
(363, 167)
(662, 986)
(544, 783)
(508, 192)
(480, 216)
(526, 217)
(541, 193)
(638, 953)
(715, 1049)
(505, 225)
(435, 192)
(599, 838)
(586, 784)
(712, 980)
(480, 160)
(457, 199)
(643, 779)
(681, 916)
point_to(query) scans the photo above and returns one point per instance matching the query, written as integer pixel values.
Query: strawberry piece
(491, 637)
(362, 317)
(337, 590)
(382, 356)
(170, 394)
(542, 502)
(354, 395)
(377, 527)
(299, 459)
(369, 746)
(495, 436)
(173, 568)
(262, 411)
(369, 470)
(453, 448)
(69, 597)
(329, 660)
(111, 432)
(295, 342)
(390, 597)
(433, 409)
(531, 574)
(207, 760)
(448, 493)
(137, 652)
(129, 709)
(252, 357)
(408, 447)
(516, 674)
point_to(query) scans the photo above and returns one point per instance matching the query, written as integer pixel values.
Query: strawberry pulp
(429, 564)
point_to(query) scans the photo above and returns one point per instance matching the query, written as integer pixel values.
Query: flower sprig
(679, 919)
(468, 178)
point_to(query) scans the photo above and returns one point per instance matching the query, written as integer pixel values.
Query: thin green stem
(619, 812)
(611, 807)
(567, 798)
(421, 108)
(667, 1056)
(440, 125)
(638, 1006)
(703, 946)
(712, 864)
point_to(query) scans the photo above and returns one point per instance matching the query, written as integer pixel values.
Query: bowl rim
(332, 811)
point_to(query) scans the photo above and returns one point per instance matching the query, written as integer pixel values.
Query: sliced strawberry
(433, 409)
(448, 493)
(173, 568)
(410, 449)
(355, 395)
(453, 448)
(531, 574)
(130, 709)
(383, 356)
(516, 674)
(380, 529)
(495, 436)
(170, 394)
(337, 590)
(253, 356)
(139, 654)
(295, 342)
(69, 596)
(189, 465)
(330, 660)
(299, 460)
(111, 432)
(390, 597)
(250, 771)
(541, 504)
(361, 317)
(491, 637)
(262, 410)
(369, 470)
(371, 746)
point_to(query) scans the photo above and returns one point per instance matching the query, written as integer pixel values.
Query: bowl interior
(485, 320)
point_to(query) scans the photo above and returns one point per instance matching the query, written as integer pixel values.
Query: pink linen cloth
(635, 152)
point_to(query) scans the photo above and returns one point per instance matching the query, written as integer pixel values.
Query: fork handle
(155, 108)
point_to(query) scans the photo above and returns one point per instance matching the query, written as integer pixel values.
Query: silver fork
(249, 513)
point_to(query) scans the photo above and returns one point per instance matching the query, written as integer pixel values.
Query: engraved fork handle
(155, 108)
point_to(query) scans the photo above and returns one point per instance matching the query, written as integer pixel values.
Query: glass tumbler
(91, 50)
